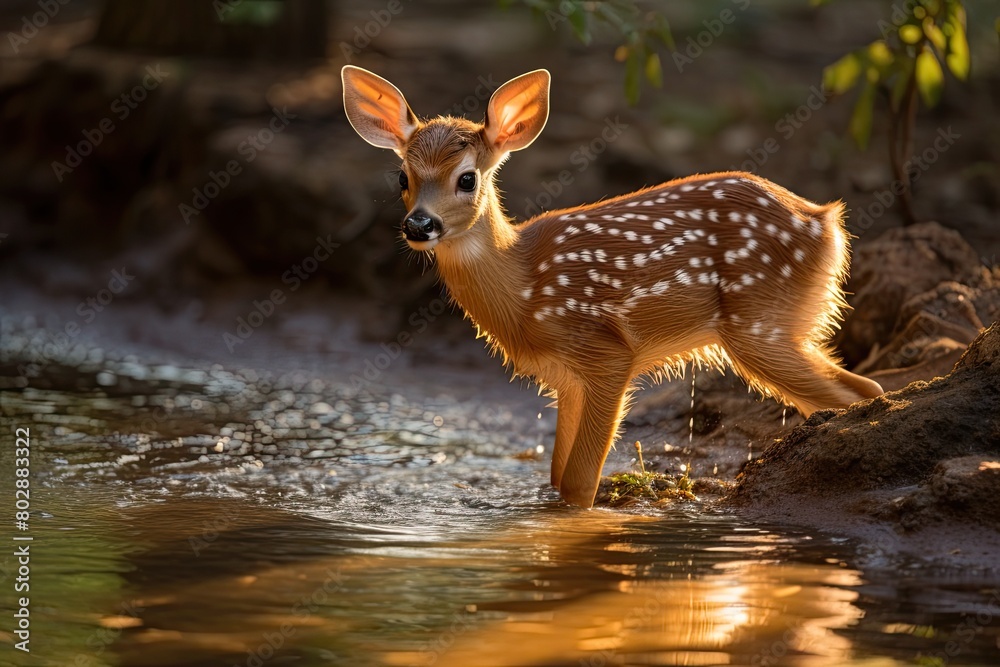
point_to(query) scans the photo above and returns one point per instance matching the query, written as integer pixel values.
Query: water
(448, 553)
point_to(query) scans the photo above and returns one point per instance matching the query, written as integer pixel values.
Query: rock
(922, 297)
(918, 457)
(897, 266)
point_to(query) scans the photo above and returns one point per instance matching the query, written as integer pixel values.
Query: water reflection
(180, 580)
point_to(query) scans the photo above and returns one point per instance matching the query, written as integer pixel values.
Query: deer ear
(518, 111)
(376, 109)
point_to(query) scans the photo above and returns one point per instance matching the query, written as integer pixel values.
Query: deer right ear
(518, 111)
(377, 110)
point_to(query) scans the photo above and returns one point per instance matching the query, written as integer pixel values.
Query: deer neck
(487, 275)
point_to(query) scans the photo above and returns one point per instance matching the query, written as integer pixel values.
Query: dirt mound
(921, 296)
(925, 456)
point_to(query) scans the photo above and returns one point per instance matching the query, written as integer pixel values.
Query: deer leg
(603, 406)
(858, 383)
(569, 410)
(807, 378)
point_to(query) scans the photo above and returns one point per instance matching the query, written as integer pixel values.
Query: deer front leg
(603, 407)
(569, 402)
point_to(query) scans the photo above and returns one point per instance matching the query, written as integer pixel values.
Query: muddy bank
(923, 462)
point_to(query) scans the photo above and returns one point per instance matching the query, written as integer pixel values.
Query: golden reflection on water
(556, 586)
(754, 608)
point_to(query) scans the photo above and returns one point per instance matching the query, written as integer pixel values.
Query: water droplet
(438, 420)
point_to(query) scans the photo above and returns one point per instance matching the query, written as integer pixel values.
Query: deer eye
(404, 182)
(467, 181)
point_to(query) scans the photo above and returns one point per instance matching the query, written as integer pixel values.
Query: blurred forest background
(203, 146)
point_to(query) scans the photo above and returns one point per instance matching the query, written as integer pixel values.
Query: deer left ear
(518, 111)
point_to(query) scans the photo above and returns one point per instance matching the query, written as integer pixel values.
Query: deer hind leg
(604, 404)
(802, 374)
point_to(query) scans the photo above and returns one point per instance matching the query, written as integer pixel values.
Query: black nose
(419, 226)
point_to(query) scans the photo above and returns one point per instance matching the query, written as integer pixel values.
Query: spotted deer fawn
(719, 269)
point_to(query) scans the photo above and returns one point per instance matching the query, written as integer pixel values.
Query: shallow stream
(193, 518)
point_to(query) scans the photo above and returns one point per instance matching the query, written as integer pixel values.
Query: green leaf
(910, 34)
(860, 126)
(633, 73)
(578, 19)
(661, 28)
(930, 77)
(841, 76)
(958, 56)
(256, 12)
(654, 72)
(958, 45)
(935, 35)
(880, 54)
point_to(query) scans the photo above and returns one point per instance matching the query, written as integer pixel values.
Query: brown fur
(586, 300)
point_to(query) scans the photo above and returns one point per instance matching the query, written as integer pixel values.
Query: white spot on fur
(800, 254)
(713, 215)
(592, 227)
(815, 228)
(659, 287)
(734, 216)
(765, 258)
(682, 277)
(639, 259)
(549, 290)
(543, 267)
(526, 294)
(588, 290)
(695, 262)
(713, 240)
(746, 232)
(786, 270)
(719, 194)
(621, 263)
(763, 202)
(614, 231)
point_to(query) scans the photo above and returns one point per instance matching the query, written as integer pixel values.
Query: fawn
(719, 269)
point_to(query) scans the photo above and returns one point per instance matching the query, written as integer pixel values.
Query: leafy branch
(904, 63)
(643, 32)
